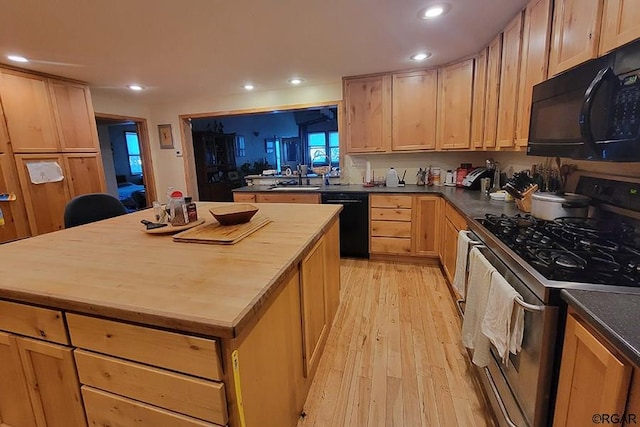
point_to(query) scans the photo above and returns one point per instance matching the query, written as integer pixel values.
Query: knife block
(524, 204)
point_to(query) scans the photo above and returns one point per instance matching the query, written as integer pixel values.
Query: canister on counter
(485, 185)
(437, 176)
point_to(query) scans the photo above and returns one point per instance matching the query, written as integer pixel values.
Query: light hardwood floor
(394, 356)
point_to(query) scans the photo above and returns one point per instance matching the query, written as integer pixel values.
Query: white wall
(169, 168)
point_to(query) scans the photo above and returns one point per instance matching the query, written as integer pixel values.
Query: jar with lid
(177, 209)
(437, 176)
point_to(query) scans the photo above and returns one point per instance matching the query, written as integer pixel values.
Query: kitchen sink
(296, 188)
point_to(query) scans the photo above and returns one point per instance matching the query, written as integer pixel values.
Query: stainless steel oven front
(520, 391)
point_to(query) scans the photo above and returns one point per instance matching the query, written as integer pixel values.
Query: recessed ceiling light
(248, 86)
(135, 87)
(17, 58)
(420, 56)
(296, 81)
(434, 11)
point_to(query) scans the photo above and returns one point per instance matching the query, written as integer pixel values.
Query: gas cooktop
(581, 250)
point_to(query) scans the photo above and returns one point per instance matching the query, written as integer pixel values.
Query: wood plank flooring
(394, 356)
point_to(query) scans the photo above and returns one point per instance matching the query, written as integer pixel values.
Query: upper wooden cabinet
(593, 379)
(414, 102)
(492, 92)
(368, 113)
(575, 33)
(620, 24)
(479, 101)
(510, 71)
(28, 112)
(535, 58)
(455, 87)
(74, 116)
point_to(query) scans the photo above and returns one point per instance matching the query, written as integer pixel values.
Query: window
(240, 149)
(321, 143)
(133, 149)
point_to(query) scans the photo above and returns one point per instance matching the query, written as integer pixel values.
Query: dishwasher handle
(341, 201)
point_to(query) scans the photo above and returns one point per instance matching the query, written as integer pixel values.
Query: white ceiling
(196, 48)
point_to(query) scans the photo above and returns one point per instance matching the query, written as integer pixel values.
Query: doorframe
(188, 157)
(148, 178)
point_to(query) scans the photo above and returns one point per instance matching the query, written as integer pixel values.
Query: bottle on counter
(192, 210)
(437, 176)
(392, 178)
(177, 209)
(429, 177)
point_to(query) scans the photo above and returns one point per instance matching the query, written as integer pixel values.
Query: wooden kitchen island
(106, 325)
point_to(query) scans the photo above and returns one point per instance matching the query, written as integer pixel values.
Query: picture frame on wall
(166, 136)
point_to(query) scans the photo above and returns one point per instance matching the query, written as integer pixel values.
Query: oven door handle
(529, 307)
(501, 404)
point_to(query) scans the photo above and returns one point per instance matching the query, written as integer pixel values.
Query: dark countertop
(615, 316)
(473, 204)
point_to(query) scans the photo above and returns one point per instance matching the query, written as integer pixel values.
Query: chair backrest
(92, 207)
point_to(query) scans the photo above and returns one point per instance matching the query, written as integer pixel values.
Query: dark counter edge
(609, 317)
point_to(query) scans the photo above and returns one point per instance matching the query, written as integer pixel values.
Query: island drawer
(35, 322)
(386, 201)
(106, 409)
(177, 392)
(179, 352)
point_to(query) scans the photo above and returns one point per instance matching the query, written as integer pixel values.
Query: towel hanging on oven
(460, 279)
(503, 321)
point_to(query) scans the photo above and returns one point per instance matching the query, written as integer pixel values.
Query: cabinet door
(575, 33)
(509, 74)
(288, 198)
(535, 54)
(493, 91)
(479, 101)
(455, 87)
(15, 404)
(450, 249)
(52, 383)
(28, 111)
(315, 324)
(74, 116)
(4, 133)
(427, 225)
(244, 197)
(332, 271)
(368, 114)
(414, 110)
(45, 202)
(15, 225)
(592, 379)
(620, 24)
(85, 173)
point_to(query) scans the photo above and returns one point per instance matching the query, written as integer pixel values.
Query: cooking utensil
(550, 206)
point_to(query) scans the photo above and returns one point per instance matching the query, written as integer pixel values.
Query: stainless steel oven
(520, 391)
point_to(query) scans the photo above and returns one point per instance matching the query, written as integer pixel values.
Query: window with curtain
(133, 149)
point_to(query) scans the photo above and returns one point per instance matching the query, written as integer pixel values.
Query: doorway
(126, 158)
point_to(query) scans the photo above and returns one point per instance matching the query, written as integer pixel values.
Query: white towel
(459, 278)
(503, 322)
(480, 271)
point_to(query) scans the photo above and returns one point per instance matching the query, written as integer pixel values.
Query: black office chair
(92, 207)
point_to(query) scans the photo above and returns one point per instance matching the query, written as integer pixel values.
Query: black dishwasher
(354, 222)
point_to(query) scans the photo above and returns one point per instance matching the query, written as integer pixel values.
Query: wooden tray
(214, 233)
(170, 229)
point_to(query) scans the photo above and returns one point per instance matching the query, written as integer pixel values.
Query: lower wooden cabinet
(593, 378)
(15, 403)
(289, 197)
(453, 223)
(427, 225)
(244, 197)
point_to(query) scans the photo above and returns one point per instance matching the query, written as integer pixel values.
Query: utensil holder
(524, 204)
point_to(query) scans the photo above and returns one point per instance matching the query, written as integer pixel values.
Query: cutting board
(214, 233)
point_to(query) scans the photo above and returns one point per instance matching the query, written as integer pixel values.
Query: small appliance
(473, 179)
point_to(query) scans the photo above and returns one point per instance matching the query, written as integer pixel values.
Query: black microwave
(590, 112)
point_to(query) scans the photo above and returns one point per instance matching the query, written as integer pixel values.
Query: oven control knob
(598, 189)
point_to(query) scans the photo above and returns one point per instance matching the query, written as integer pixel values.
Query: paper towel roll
(367, 172)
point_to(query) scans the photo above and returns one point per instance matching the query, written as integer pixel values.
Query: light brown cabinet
(620, 24)
(455, 93)
(427, 225)
(494, 59)
(44, 387)
(535, 58)
(244, 197)
(310, 198)
(4, 133)
(74, 115)
(368, 114)
(390, 222)
(15, 225)
(84, 173)
(414, 103)
(479, 101)
(509, 74)
(29, 112)
(593, 378)
(453, 223)
(575, 33)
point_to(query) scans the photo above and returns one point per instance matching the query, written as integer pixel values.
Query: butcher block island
(107, 325)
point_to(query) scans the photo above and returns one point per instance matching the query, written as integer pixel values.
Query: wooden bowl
(236, 213)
